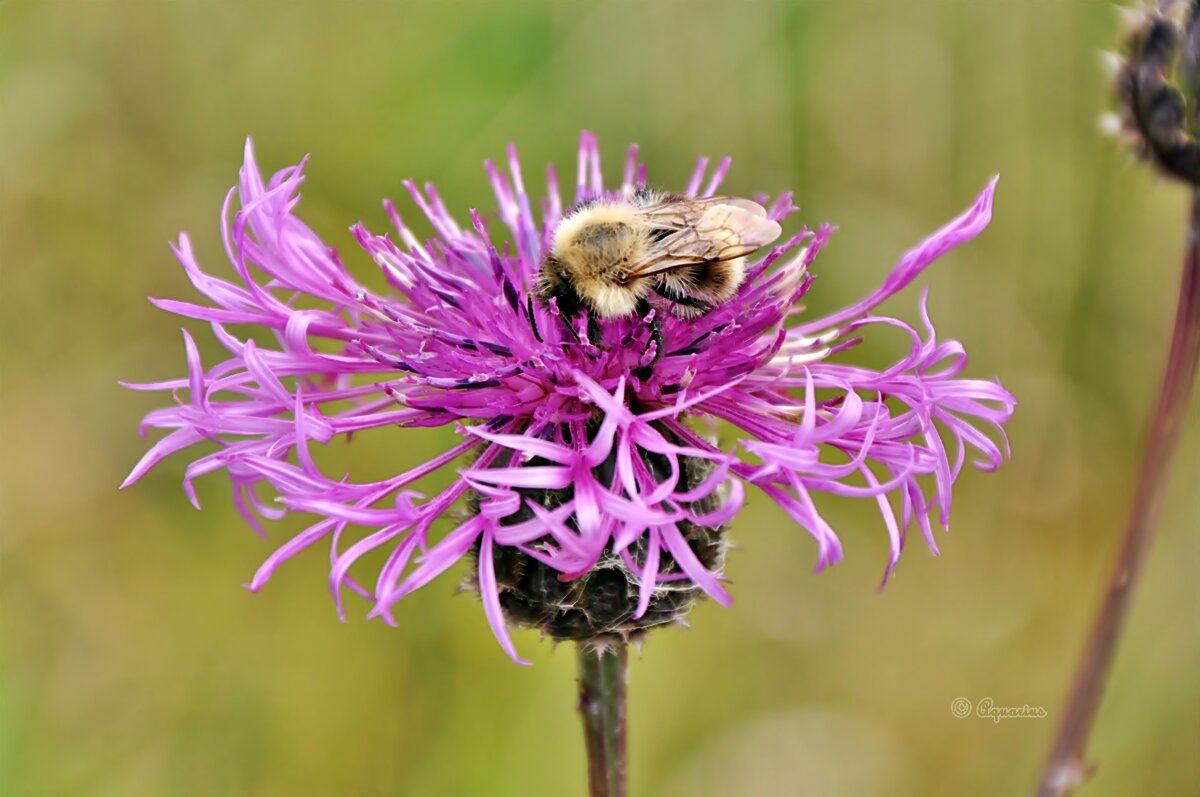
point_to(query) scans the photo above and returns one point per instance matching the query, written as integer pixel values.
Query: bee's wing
(687, 232)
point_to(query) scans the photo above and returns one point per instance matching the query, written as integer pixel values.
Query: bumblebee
(611, 257)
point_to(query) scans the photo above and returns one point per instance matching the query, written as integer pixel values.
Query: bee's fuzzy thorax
(574, 224)
(601, 241)
(593, 248)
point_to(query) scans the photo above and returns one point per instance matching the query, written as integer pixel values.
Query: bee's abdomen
(718, 280)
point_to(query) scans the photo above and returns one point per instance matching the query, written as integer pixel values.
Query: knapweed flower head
(589, 492)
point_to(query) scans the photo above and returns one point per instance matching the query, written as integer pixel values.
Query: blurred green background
(132, 662)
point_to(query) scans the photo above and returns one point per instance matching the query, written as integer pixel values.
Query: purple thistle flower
(575, 455)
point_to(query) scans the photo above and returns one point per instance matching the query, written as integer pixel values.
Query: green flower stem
(1066, 767)
(602, 676)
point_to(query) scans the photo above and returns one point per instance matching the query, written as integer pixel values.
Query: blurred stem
(1066, 768)
(602, 675)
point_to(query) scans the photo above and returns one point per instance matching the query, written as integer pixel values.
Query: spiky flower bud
(1158, 86)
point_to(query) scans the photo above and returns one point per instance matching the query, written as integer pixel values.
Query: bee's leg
(594, 331)
(567, 320)
(644, 309)
(569, 305)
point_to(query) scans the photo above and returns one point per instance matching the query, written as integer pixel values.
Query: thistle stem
(602, 676)
(1066, 768)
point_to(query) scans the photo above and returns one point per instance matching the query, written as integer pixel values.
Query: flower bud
(1158, 86)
